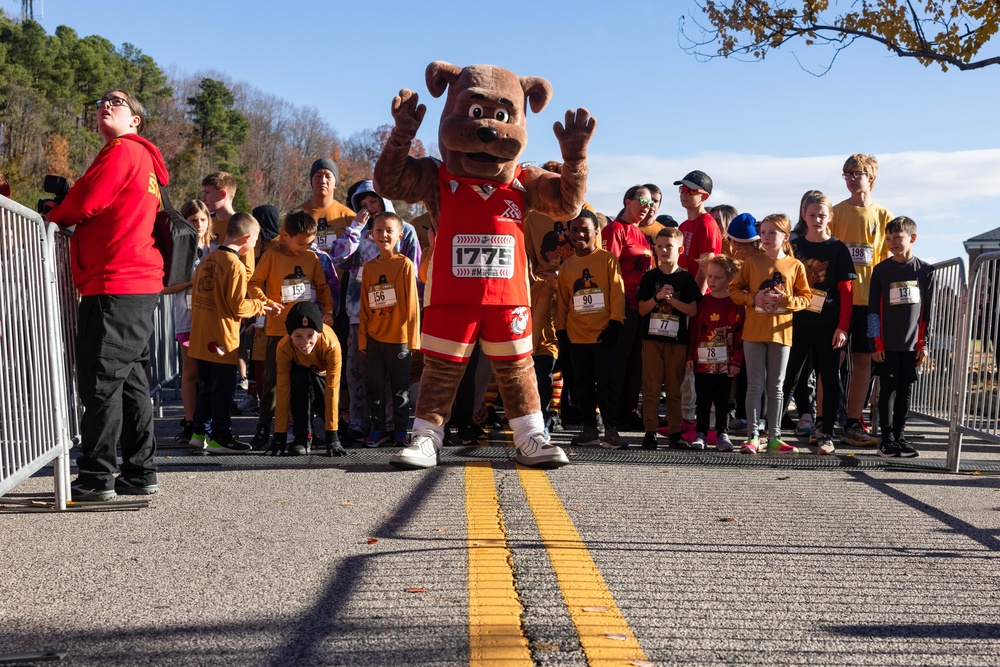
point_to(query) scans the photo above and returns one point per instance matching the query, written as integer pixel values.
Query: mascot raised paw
(477, 196)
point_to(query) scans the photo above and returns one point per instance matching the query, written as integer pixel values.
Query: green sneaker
(779, 446)
(750, 445)
(198, 441)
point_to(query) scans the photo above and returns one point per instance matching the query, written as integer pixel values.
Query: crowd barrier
(40, 408)
(35, 427)
(976, 404)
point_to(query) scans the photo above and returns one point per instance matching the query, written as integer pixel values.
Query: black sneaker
(333, 446)
(676, 441)
(649, 441)
(300, 447)
(227, 445)
(888, 448)
(906, 450)
(470, 433)
(187, 430)
(261, 437)
(80, 493)
(355, 436)
(125, 487)
(633, 422)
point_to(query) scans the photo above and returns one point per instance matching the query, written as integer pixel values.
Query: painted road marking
(604, 633)
(496, 635)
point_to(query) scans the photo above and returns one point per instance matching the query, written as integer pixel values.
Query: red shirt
(701, 235)
(113, 206)
(631, 248)
(719, 322)
(479, 256)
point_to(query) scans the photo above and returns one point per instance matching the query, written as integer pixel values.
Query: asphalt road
(620, 558)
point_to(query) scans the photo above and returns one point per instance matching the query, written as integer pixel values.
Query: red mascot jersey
(479, 256)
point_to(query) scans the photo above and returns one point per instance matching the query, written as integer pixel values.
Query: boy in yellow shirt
(288, 273)
(218, 304)
(590, 310)
(388, 328)
(308, 382)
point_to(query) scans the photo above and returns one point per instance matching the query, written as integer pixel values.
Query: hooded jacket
(354, 249)
(113, 206)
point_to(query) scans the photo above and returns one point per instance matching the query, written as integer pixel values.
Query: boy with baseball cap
(702, 238)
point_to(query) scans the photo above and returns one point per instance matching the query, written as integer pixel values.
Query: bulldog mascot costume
(477, 196)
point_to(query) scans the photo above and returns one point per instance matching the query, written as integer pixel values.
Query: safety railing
(977, 401)
(933, 395)
(34, 413)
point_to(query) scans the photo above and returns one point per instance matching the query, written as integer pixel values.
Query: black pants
(307, 391)
(112, 352)
(595, 374)
(628, 368)
(388, 361)
(465, 398)
(267, 392)
(712, 389)
(896, 377)
(544, 365)
(216, 387)
(815, 343)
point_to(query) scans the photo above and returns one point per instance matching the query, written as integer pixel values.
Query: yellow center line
(604, 633)
(496, 636)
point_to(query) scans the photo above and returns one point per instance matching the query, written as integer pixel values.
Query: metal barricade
(933, 395)
(977, 401)
(34, 414)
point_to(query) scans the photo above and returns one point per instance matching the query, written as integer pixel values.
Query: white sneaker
(723, 443)
(805, 425)
(538, 452)
(422, 452)
(698, 442)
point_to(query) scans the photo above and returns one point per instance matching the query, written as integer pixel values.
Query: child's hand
(362, 217)
(273, 307)
(878, 356)
(734, 369)
(839, 338)
(690, 365)
(921, 357)
(328, 319)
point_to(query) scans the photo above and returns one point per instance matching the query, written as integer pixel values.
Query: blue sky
(766, 131)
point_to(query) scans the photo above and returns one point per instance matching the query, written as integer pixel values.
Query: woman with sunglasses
(119, 274)
(623, 239)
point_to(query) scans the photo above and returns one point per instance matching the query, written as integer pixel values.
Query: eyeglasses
(112, 101)
(643, 201)
(685, 190)
(854, 175)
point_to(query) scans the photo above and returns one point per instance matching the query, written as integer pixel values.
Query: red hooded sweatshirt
(113, 206)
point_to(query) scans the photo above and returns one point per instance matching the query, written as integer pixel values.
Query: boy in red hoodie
(119, 274)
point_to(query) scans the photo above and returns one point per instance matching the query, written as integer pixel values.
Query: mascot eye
(476, 111)
(502, 116)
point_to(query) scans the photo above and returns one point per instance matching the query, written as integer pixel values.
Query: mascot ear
(537, 90)
(440, 75)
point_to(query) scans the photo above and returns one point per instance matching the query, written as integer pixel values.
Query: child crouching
(308, 381)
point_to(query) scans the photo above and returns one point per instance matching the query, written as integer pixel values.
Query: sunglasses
(643, 201)
(113, 102)
(685, 190)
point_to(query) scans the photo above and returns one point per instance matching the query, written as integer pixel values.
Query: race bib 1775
(482, 256)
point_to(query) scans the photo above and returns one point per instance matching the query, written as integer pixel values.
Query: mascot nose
(486, 134)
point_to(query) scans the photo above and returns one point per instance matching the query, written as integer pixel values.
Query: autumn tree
(949, 33)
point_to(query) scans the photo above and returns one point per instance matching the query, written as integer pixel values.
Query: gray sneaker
(723, 443)
(855, 435)
(538, 452)
(588, 437)
(422, 452)
(698, 442)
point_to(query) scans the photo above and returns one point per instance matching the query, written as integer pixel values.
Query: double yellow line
(496, 632)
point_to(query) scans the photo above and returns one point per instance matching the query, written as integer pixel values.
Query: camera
(54, 185)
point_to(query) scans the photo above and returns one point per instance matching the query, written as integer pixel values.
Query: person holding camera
(119, 274)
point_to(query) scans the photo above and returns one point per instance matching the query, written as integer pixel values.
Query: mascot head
(482, 132)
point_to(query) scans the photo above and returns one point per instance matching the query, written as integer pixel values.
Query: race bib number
(904, 293)
(325, 236)
(588, 301)
(294, 290)
(381, 296)
(483, 256)
(712, 353)
(816, 301)
(664, 325)
(862, 254)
